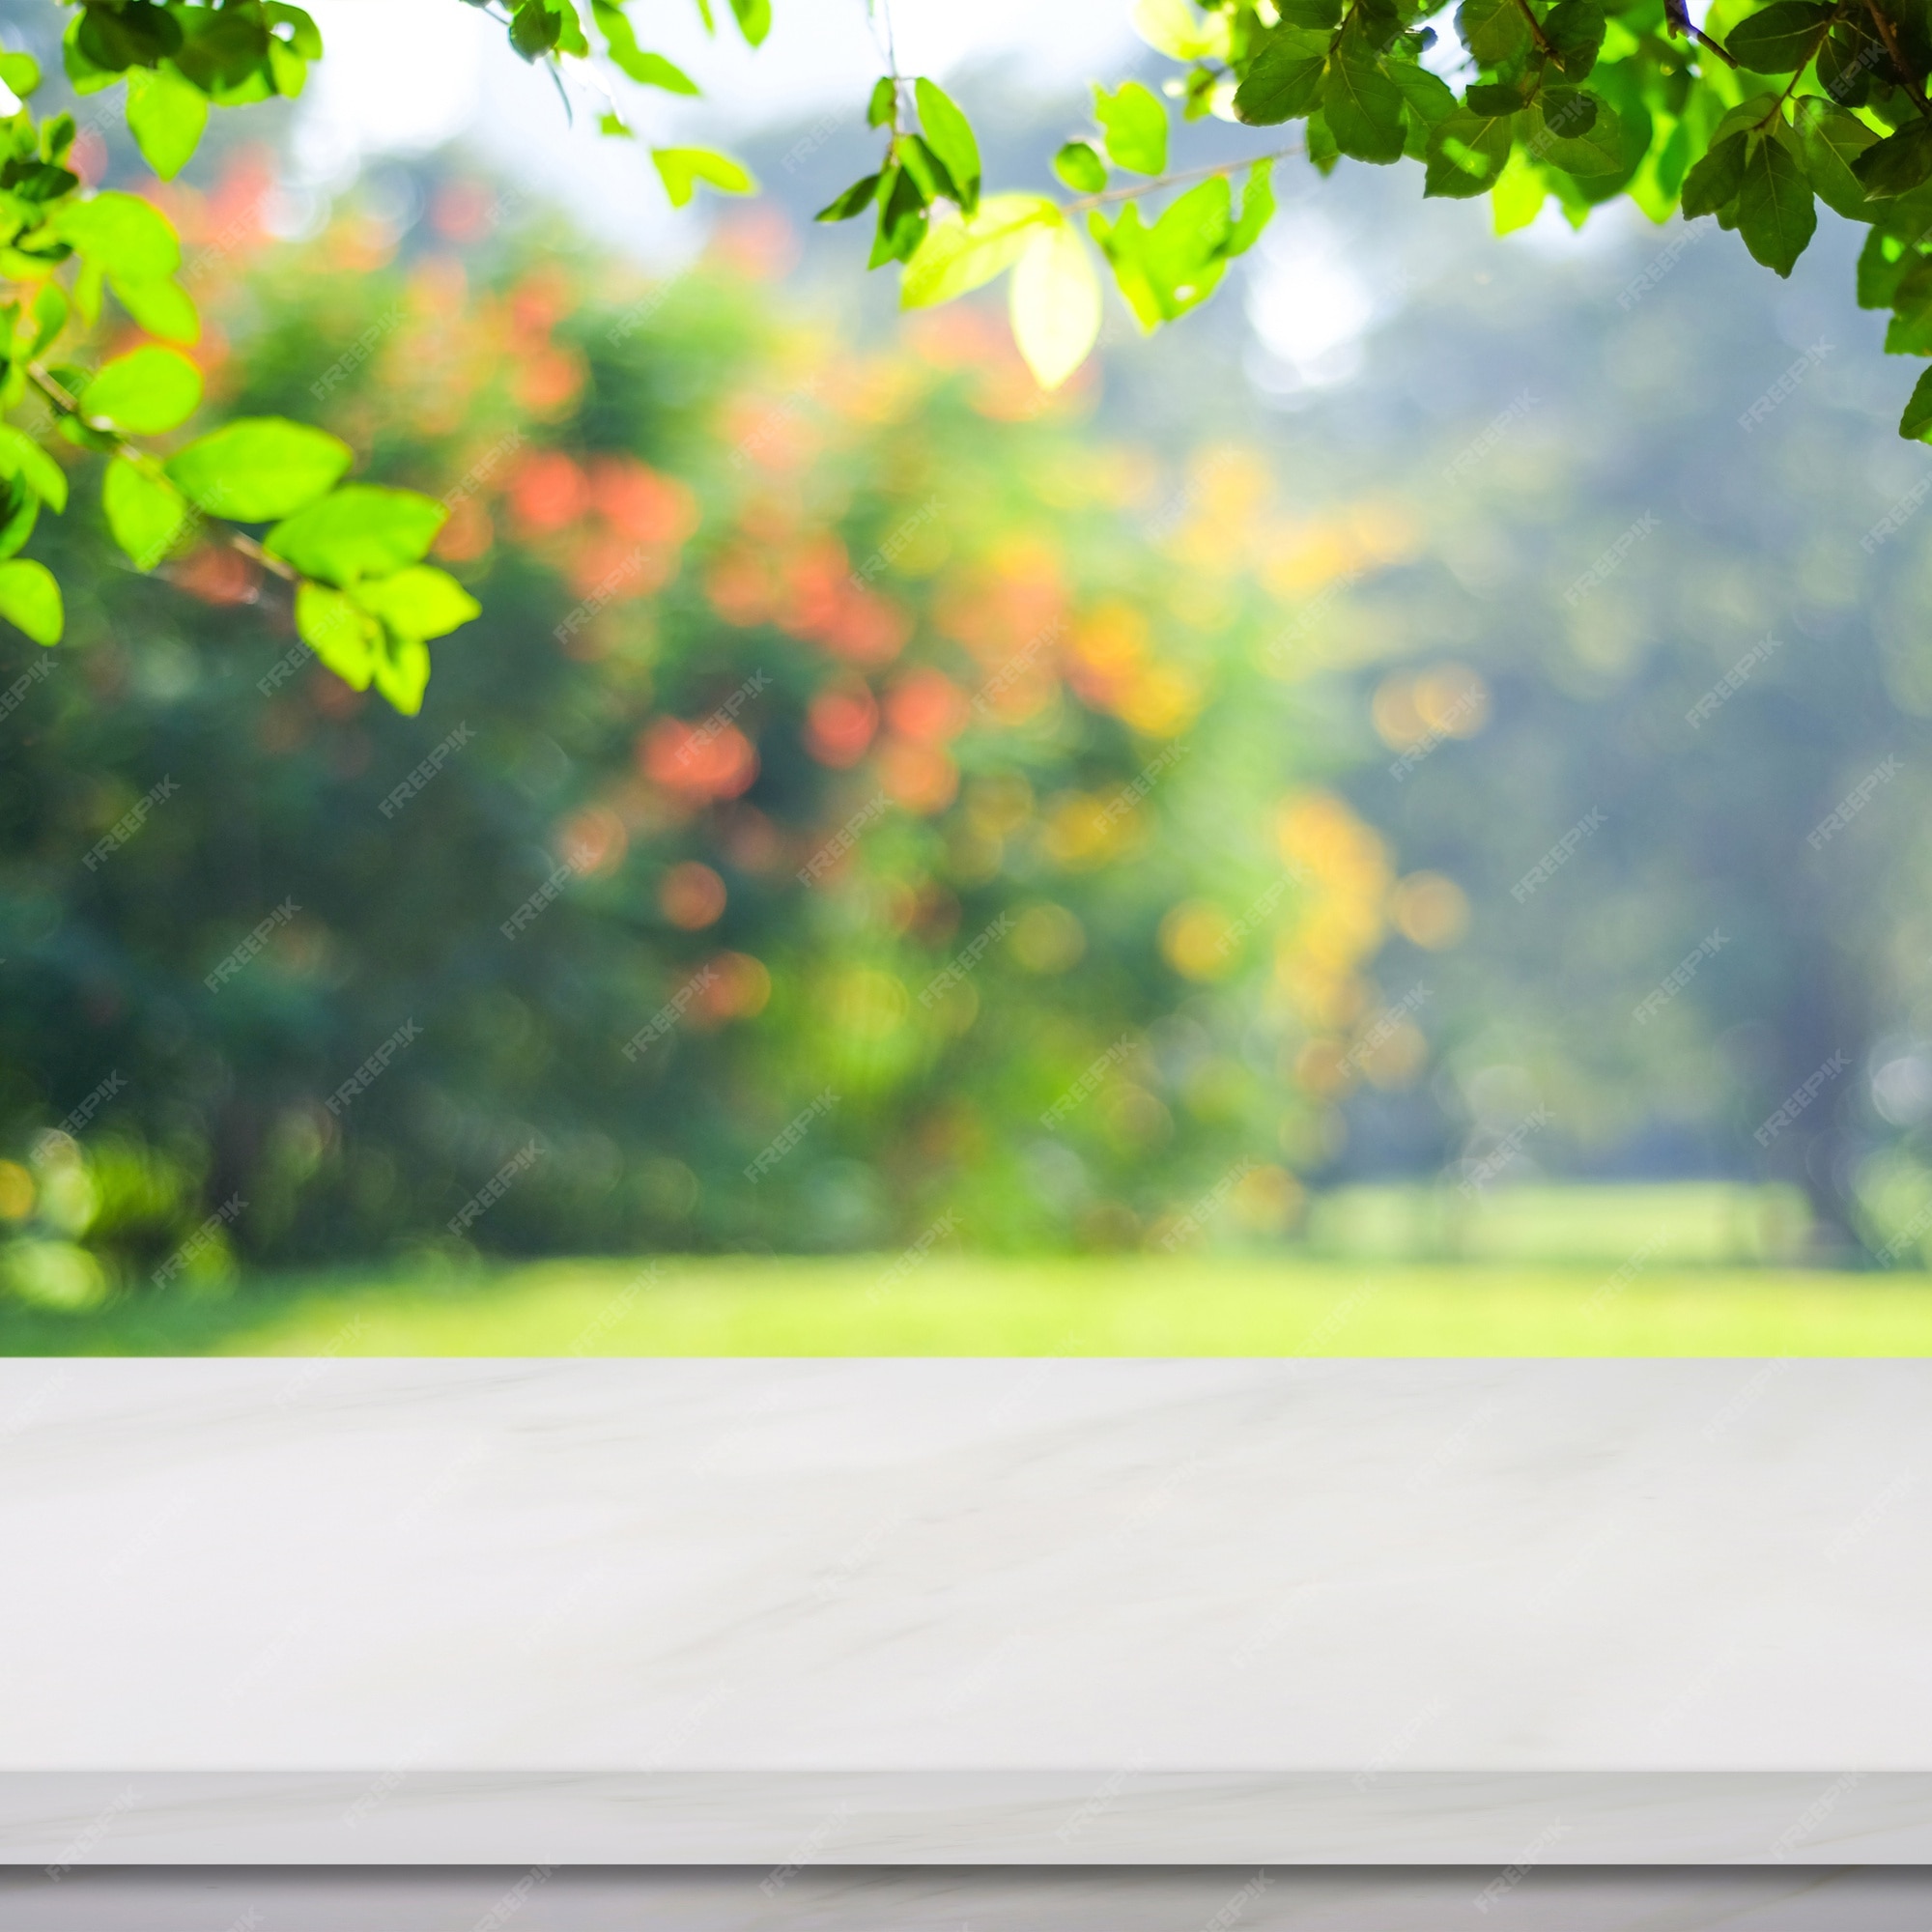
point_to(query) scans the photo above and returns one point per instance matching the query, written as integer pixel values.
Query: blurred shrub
(862, 810)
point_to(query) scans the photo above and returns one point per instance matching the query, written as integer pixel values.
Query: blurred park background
(1407, 793)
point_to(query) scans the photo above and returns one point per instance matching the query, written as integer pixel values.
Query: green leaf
(754, 22)
(1256, 210)
(146, 513)
(146, 391)
(651, 70)
(22, 457)
(1133, 124)
(903, 225)
(341, 634)
(31, 599)
(1495, 31)
(1897, 164)
(1123, 242)
(1056, 304)
(959, 256)
(400, 665)
(1284, 77)
(681, 169)
(1361, 105)
(51, 313)
(1171, 27)
(1493, 99)
(1884, 262)
(125, 235)
(134, 34)
(19, 511)
(162, 308)
(1781, 37)
(359, 530)
(1831, 141)
(1322, 153)
(1849, 63)
(648, 70)
(225, 53)
(1468, 154)
(288, 70)
(21, 73)
(927, 170)
(1428, 98)
(1915, 424)
(534, 30)
(1776, 215)
(1575, 28)
(855, 200)
(884, 103)
(1746, 118)
(1519, 195)
(1714, 183)
(421, 601)
(1080, 166)
(259, 469)
(950, 136)
(86, 73)
(1185, 254)
(1909, 332)
(1579, 135)
(165, 115)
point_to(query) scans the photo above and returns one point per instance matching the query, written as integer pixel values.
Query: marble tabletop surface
(1057, 1611)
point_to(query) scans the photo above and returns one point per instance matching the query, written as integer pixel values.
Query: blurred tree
(842, 826)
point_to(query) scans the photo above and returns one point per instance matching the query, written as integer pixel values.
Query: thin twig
(1677, 19)
(1543, 40)
(240, 540)
(1888, 34)
(1133, 190)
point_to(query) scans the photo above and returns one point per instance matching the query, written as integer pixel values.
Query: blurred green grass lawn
(1131, 1306)
(1678, 1269)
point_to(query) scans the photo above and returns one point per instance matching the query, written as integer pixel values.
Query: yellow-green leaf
(146, 391)
(422, 602)
(357, 532)
(1056, 304)
(1174, 28)
(341, 634)
(959, 256)
(260, 468)
(31, 599)
(21, 456)
(400, 665)
(121, 234)
(146, 512)
(165, 115)
(681, 169)
(1133, 124)
(161, 307)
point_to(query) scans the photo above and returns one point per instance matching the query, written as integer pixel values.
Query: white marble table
(808, 1615)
